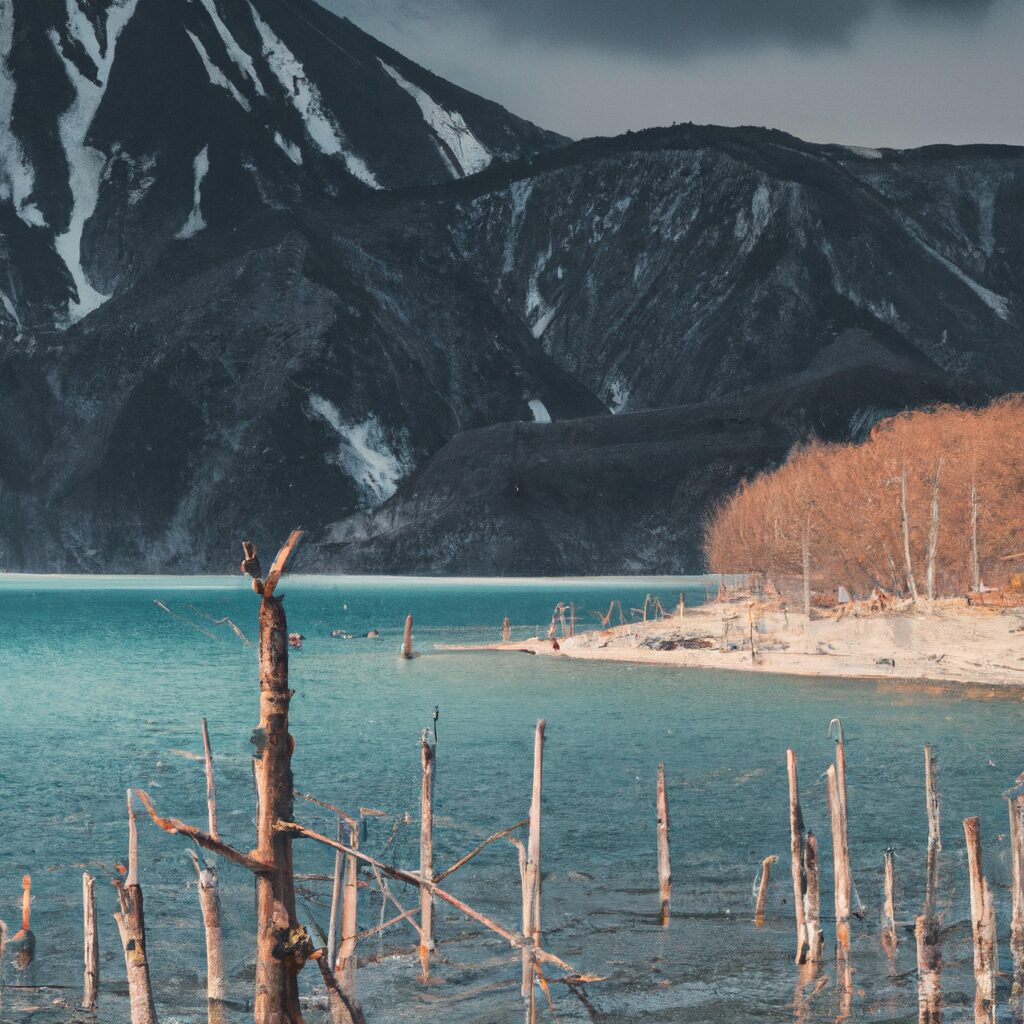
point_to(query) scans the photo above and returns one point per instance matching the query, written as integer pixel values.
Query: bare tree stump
(426, 855)
(889, 938)
(929, 970)
(796, 853)
(762, 890)
(982, 928)
(506, 630)
(812, 901)
(407, 651)
(664, 858)
(91, 946)
(22, 944)
(131, 925)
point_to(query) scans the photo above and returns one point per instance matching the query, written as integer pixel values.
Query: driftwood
(131, 925)
(983, 928)
(426, 855)
(91, 946)
(796, 854)
(762, 890)
(664, 858)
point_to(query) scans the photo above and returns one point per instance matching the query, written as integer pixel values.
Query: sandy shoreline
(954, 647)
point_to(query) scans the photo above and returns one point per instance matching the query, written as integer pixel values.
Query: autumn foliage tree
(930, 503)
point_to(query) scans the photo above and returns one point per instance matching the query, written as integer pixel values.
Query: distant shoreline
(958, 650)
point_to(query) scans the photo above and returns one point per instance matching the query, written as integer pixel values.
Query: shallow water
(102, 690)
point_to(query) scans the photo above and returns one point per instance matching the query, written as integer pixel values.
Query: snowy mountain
(257, 269)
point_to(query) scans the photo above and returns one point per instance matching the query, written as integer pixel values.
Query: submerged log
(131, 925)
(664, 858)
(983, 928)
(91, 946)
(796, 854)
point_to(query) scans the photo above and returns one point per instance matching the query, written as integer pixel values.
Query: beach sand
(954, 644)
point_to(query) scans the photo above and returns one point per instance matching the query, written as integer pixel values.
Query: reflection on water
(101, 689)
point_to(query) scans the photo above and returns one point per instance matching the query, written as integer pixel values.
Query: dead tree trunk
(91, 947)
(975, 563)
(812, 901)
(506, 630)
(664, 857)
(1016, 805)
(806, 559)
(533, 849)
(889, 938)
(933, 535)
(796, 855)
(282, 945)
(131, 924)
(346, 963)
(332, 928)
(841, 862)
(426, 856)
(905, 526)
(929, 970)
(762, 890)
(209, 899)
(407, 651)
(982, 928)
(934, 834)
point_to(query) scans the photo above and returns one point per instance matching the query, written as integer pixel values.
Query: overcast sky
(864, 72)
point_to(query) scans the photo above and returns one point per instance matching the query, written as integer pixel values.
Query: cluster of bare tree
(928, 505)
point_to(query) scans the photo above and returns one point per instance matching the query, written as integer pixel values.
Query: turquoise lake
(101, 689)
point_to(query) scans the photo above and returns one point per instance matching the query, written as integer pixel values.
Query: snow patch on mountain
(238, 56)
(364, 452)
(305, 97)
(539, 410)
(519, 193)
(12, 312)
(289, 149)
(195, 222)
(85, 163)
(17, 178)
(619, 392)
(864, 152)
(749, 227)
(461, 150)
(538, 313)
(216, 76)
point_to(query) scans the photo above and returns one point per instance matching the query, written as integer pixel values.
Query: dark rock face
(257, 269)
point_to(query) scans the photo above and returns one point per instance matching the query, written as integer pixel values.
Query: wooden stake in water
(533, 882)
(664, 858)
(91, 949)
(841, 869)
(812, 901)
(889, 938)
(934, 836)
(131, 924)
(982, 928)
(506, 630)
(796, 855)
(209, 898)
(426, 855)
(929, 970)
(407, 651)
(762, 890)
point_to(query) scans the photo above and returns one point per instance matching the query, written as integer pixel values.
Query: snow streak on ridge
(195, 222)
(461, 150)
(85, 163)
(241, 59)
(305, 97)
(216, 76)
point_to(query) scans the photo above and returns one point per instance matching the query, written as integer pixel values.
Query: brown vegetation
(929, 504)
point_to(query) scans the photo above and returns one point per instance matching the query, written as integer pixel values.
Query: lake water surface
(100, 689)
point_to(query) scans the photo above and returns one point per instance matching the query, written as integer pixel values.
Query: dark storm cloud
(666, 27)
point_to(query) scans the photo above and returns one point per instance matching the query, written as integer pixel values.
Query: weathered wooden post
(762, 890)
(796, 856)
(664, 857)
(929, 970)
(841, 871)
(506, 630)
(889, 938)
(533, 847)
(812, 901)
(934, 835)
(407, 651)
(332, 927)
(426, 855)
(131, 924)
(91, 946)
(22, 944)
(982, 928)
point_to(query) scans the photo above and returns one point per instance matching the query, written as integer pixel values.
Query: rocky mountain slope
(257, 269)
